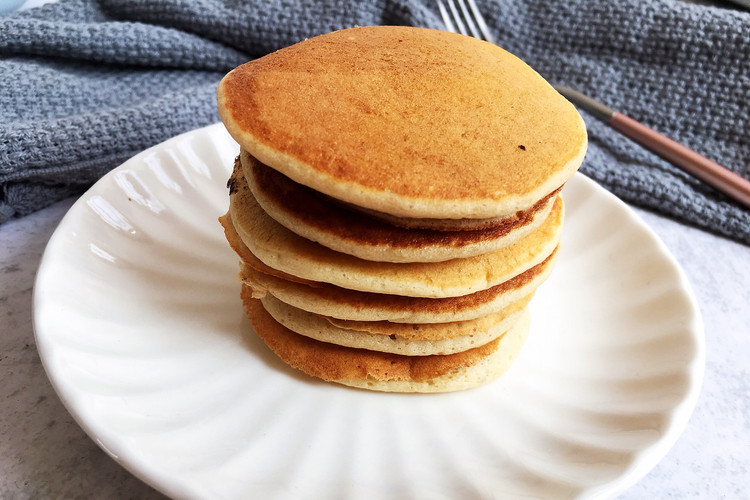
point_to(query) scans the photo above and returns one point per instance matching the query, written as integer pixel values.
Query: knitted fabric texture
(87, 84)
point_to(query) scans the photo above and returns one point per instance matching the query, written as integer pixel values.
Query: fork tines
(468, 22)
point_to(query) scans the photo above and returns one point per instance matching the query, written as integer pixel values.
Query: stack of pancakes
(395, 203)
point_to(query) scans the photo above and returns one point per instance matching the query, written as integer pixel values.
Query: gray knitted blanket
(86, 84)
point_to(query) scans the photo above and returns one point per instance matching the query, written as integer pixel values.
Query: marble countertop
(46, 455)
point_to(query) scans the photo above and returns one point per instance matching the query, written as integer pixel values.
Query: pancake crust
(441, 224)
(406, 121)
(384, 371)
(433, 331)
(315, 217)
(441, 338)
(248, 258)
(336, 302)
(281, 249)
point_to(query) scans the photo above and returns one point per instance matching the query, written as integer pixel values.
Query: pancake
(383, 371)
(434, 331)
(345, 229)
(283, 250)
(443, 224)
(406, 121)
(247, 257)
(396, 203)
(406, 339)
(336, 302)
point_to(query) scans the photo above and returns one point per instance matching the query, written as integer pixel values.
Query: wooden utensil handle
(691, 162)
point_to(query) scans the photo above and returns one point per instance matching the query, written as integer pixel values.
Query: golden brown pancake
(406, 121)
(383, 371)
(445, 224)
(336, 302)
(407, 339)
(433, 331)
(283, 250)
(248, 258)
(344, 229)
(396, 203)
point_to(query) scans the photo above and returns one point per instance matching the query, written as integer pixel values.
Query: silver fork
(468, 20)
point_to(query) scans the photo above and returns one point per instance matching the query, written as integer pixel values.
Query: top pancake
(406, 121)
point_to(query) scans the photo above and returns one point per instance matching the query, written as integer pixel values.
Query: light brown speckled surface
(406, 121)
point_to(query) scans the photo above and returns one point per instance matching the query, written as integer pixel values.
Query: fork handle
(683, 157)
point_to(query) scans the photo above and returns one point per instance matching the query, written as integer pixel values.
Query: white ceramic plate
(140, 328)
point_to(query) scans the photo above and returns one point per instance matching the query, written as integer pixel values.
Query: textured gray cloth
(86, 84)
